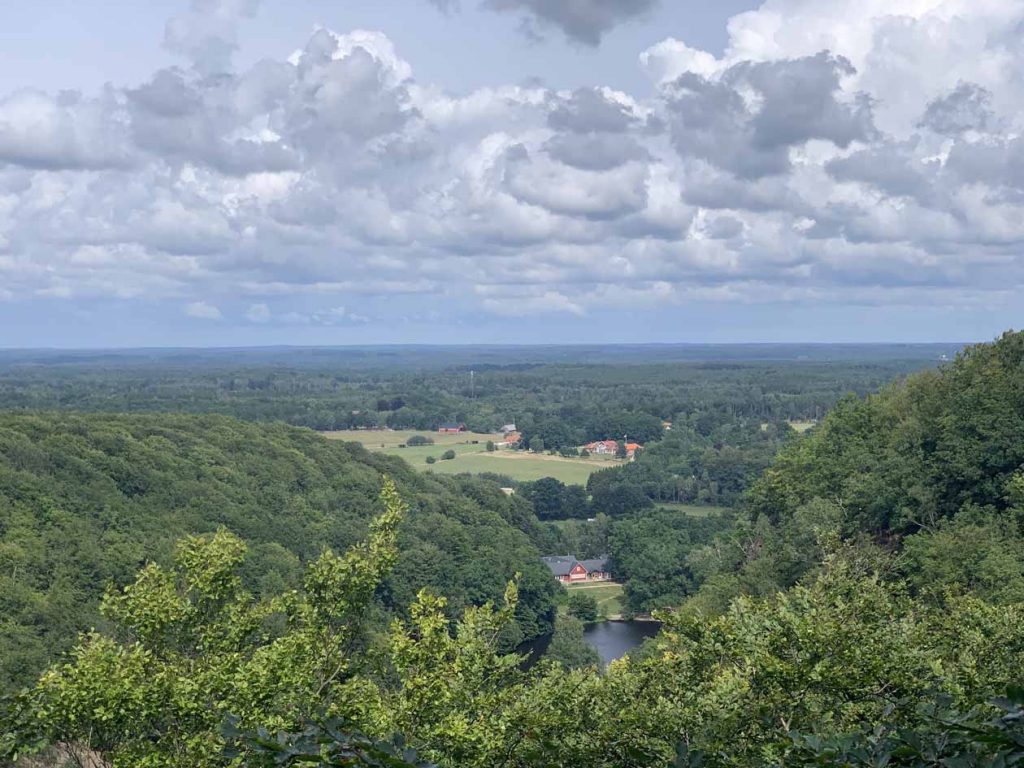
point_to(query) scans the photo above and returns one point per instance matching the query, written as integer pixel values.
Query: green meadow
(472, 456)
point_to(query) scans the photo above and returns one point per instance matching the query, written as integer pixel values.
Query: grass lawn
(520, 465)
(802, 426)
(609, 597)
(389, 440)
(473, 457)
(692, 510)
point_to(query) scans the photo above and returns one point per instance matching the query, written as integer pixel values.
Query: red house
(568, 570)
(451, 429)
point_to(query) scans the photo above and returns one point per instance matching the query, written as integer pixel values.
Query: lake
(611, 639)
(614, 639)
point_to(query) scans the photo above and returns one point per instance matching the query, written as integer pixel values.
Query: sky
(247, 172)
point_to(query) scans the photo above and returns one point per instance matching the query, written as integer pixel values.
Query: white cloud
(258, 313)
(202, 311)
(548, 302)
(833, 150)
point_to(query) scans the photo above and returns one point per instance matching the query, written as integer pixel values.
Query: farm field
(471, 456)
(524, 466)
(801, 426)
(386, 440)
(607, 595)
(692, 510)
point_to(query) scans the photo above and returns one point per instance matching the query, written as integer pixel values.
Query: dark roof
(560, 565)
(452, 426)
(599, 563)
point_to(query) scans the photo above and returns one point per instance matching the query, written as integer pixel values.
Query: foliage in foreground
(201, 673)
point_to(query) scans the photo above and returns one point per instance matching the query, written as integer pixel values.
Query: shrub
(582, 606)
(431, 460)
(419, 440)
(448, 455)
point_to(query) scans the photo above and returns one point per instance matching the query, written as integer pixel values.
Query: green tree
(546, 495)
(196, 646)
(568, 646)
(619, 499)
(448, 455)
(973, 553)
(582, 606)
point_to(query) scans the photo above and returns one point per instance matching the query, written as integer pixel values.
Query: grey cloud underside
(967, 107)
(595, 151)
(335, 175)
(799, 100)
(584, 21)
(587, 110)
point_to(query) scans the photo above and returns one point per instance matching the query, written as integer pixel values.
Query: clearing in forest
(471, 455)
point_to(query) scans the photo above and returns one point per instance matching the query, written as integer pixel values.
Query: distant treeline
(564, 404)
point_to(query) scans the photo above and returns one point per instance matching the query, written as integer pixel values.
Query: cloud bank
(836, 152)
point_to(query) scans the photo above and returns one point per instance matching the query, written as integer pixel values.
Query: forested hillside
(87, 500)
(931, 468)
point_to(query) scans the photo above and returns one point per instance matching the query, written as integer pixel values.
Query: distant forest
(563, 394)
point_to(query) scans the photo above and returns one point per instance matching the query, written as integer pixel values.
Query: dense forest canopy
(931, 467)
(862, 604)
(565, 396)
(89, 499)
(917, 453)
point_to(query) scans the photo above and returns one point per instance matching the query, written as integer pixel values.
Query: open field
(692, 510)
(608, 595)
(520, 465)
(471, 455)
(382, 440)
(802, 426)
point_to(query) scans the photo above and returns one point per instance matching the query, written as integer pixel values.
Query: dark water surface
(611, 639)
(614, 639)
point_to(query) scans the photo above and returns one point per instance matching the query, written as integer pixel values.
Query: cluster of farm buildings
(511, 438)
(611, 447)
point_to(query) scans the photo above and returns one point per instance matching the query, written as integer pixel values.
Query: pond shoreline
(611, 638)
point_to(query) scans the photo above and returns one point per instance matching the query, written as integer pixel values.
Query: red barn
(451, 429)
